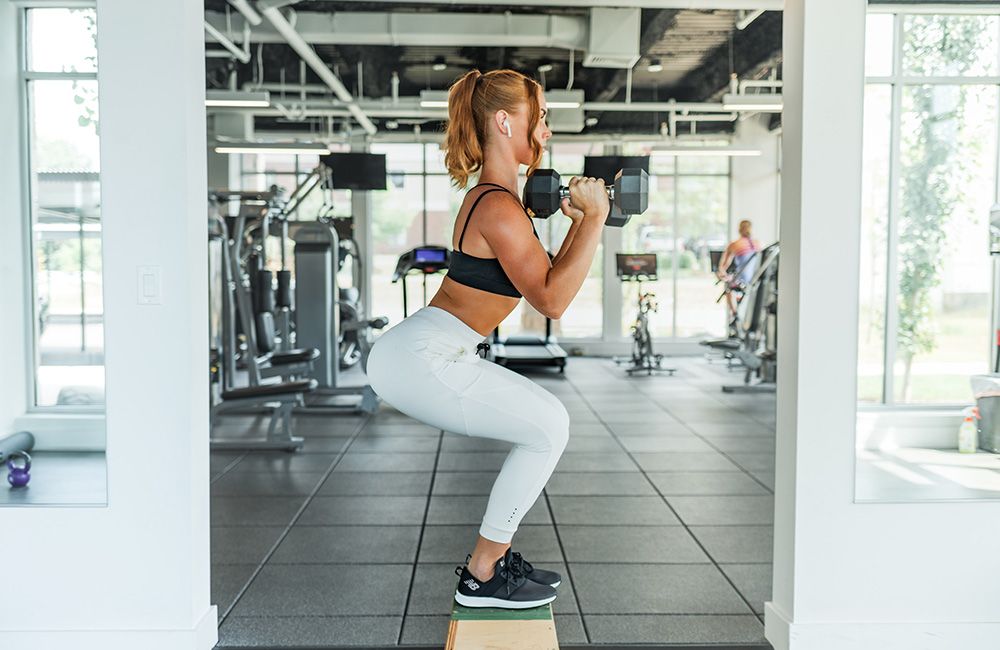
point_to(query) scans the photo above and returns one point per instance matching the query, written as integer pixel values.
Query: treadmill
(528, 351)
(422, 260)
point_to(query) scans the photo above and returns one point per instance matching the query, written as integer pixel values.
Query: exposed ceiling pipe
(248, 12)
(309, 55)
(437, 137)
(656, 107)
(402, 107)
(747, 17)
(759, 83)
(703, 5)
(431, 29)
(238, 54)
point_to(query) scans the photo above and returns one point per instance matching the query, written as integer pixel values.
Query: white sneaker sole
(479, 601)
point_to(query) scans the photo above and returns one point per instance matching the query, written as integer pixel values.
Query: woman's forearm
(567, 241)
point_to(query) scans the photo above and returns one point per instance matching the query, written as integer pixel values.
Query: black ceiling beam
(753, 47)
(655, 24)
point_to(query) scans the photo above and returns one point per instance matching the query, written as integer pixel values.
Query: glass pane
(703, 164)
(401, 158)
(653, 232)
(584, 316)
(874, 224)
(948, 157)
(567, 158)
(66, 231)
(878, 44)
(435, 159)
(950, 45)
(397, 226)
(62, 40)
(702, 224)
(443, 203)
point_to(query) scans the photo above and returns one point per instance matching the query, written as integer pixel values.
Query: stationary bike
(636, 268)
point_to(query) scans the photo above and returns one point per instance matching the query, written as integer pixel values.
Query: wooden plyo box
(473, 628)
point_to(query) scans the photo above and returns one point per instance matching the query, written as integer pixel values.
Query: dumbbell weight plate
(541, 193)
(616, 219)
(632, 190)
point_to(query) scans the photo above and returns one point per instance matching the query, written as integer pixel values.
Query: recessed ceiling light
(591, 121)
(545, 66)
(655, 65)
(439, 64)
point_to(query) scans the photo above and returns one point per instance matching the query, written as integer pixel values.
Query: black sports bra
(484, 273)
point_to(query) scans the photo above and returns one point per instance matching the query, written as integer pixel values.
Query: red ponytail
(471, 101)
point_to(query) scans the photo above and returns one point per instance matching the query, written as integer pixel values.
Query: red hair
(472, 101)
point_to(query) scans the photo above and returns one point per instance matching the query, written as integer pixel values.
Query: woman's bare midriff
(480, 310)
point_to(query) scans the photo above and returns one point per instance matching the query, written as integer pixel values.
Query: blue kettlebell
(19, 474)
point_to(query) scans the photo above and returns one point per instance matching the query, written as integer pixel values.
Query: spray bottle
(968, 436)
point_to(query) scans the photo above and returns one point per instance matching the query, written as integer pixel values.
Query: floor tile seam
(686, 527)
(424, 563)
(623, 614)
(443, 563)
(288, 527)
(420, 536)
(228, 468)
(716, 448)
(424, 615)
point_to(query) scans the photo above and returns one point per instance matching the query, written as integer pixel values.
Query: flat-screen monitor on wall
(356, 171)
(607, 167)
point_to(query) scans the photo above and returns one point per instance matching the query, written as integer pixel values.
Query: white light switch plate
(148, 285)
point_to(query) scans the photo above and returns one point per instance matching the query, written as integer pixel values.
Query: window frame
(897, 82)
(30, 293)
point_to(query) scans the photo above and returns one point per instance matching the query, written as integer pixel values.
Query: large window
(930, 177)
(63, 154)
(688, 217)
(419, 207)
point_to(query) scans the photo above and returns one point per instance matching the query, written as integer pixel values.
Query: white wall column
(136, 573)
(13, 299)
(849, 576)
(755, 179)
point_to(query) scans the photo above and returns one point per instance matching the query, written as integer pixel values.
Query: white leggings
(427, 367)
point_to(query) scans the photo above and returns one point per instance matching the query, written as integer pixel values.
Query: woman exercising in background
(743, 253)
(429, 366)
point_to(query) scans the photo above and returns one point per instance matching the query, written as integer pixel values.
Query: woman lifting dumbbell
(429, 365)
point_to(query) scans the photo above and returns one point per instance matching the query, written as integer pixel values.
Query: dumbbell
(629, 195)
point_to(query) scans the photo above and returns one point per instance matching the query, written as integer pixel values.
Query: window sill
(64, 431)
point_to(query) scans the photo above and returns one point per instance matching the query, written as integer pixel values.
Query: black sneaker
(507, 589)
(541, 576)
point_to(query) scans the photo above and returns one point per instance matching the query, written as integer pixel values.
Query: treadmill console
(427, 260)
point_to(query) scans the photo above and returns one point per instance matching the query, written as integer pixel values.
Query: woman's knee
(560, 428)
(553, 427)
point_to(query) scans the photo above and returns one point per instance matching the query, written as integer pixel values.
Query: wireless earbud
(506, 125)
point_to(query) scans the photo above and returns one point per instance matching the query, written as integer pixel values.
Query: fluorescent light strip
(704, 151)
(289, 150)
(563, 104)
(237, 103)
(433, 103)
(752, 107)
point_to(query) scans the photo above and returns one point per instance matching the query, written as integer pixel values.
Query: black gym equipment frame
(528, 351)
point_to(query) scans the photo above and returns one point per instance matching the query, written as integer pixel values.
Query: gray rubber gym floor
(659, 516)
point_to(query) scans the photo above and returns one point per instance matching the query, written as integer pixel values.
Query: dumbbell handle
(564, 192)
